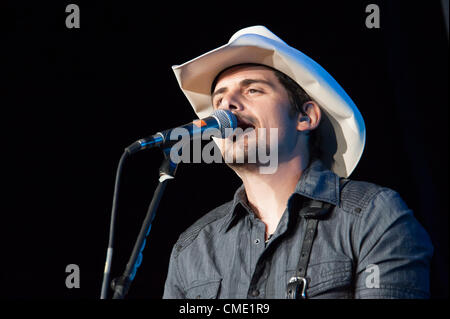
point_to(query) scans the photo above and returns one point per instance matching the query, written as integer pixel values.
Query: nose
(232, 102)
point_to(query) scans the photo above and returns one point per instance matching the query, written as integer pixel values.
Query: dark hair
(297, 97)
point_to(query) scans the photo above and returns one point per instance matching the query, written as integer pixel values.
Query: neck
(268, 194)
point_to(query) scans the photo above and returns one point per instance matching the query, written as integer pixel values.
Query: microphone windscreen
(227, 120)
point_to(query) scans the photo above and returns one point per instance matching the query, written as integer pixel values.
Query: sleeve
(173, 287)
(394, 251)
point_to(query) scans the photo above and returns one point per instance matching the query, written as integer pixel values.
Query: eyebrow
(244, 83)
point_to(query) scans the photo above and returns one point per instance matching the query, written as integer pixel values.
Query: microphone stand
(122, 284)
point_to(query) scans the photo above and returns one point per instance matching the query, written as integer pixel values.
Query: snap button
(257, 241)
(255, 293)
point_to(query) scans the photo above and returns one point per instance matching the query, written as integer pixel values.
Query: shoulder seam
(357, 195)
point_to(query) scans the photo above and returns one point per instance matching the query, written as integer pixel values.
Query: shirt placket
(257, 236)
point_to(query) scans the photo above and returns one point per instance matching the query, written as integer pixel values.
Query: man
(303, 231)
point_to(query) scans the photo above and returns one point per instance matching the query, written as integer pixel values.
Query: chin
(240, 149)
(241, 154)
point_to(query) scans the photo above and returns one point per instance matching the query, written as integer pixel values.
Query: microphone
(219, 120)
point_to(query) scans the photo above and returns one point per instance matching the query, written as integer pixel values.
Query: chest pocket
(332, 280)
(208, 289)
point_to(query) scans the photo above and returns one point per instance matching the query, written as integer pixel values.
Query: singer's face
(259, 101)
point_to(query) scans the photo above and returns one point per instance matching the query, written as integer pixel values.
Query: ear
(310, 118)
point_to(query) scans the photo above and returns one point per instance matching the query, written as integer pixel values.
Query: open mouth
(244, 124)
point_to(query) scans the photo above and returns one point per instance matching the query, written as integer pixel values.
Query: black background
(73, 98)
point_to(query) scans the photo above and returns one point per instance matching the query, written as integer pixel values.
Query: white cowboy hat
(342, 128)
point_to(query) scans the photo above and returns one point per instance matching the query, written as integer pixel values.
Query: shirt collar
(316, 182)
(319, 183)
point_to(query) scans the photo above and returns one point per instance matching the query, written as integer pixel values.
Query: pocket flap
(328, 277)
(207, 289)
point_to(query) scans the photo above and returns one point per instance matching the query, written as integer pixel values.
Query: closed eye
(218, 102)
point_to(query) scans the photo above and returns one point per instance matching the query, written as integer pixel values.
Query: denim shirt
(368, 246)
